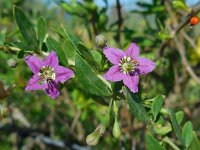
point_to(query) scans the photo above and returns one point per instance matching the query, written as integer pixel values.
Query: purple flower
(47, 74)
(127, 66)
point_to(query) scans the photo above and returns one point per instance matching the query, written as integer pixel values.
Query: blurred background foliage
(31, 119)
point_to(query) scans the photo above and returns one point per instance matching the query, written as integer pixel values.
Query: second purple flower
(47, 74)
(127, 66)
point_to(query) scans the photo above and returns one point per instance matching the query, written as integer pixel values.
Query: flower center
(46, 74)
(128, 64)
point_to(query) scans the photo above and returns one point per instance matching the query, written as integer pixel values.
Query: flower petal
(63, 74)
(132, 50)
(114, 74)
(113, 54)
(52, 89)
(145, 65)
(34, 63)
(33, 84)
(132, 82)
(51, 59)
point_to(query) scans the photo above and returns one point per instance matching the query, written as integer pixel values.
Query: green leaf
(66, 33)
(187, 134)
(2, 39)
(26, 28)
(152, 143)
(54, 45)
(20, 54)
(157, 105)
(195, 145)
(179, 4)
(42, 29)
(175, 126)
(20, 45)
(89, 79)
(136, 106)
(179, 116)
(77, 45)
(162, 130)
(85, 53)
(96, 56)
(68, 48)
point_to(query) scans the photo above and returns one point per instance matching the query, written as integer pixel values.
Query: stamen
(128, 64)
(46, 74)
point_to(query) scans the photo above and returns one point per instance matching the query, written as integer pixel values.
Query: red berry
(194, 20)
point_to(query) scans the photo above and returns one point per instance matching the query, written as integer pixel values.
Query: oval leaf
(187, 134)
(175, 126)
(42, 29)
(26, 28)
(136, 106)
(157, 105)
(152, 143)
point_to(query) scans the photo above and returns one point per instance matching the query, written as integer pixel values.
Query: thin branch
(189, 69)
(120, 21)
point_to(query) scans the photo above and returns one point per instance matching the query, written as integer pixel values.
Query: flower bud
(101, 41)
(93, 138)
(12, 63)
(116, 130)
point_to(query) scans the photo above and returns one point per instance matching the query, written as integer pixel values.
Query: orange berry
(194, 20)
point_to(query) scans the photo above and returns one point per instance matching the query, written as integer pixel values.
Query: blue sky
(126, 4)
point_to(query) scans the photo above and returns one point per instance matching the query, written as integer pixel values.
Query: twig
(189, 39)
(181, 51)
(168, 141)
(120, 21)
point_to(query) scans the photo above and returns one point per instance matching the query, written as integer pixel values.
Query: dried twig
(120, 21)
(181, 50)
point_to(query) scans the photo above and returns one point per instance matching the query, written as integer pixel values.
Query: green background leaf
(42, 29)
(26, 28)
(157, 105)
(54, 45)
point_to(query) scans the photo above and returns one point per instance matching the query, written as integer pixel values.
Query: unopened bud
(116, 130)
(101, 41)
(93, 138)
(12, 63)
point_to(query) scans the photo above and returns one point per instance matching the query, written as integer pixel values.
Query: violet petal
(132, 82)
(63, 74)
(33, 84)
(114, 74)
(52, 89)
(51, 59)
(34, 63)
(132, 50)
(113, 54)
(145, 65)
